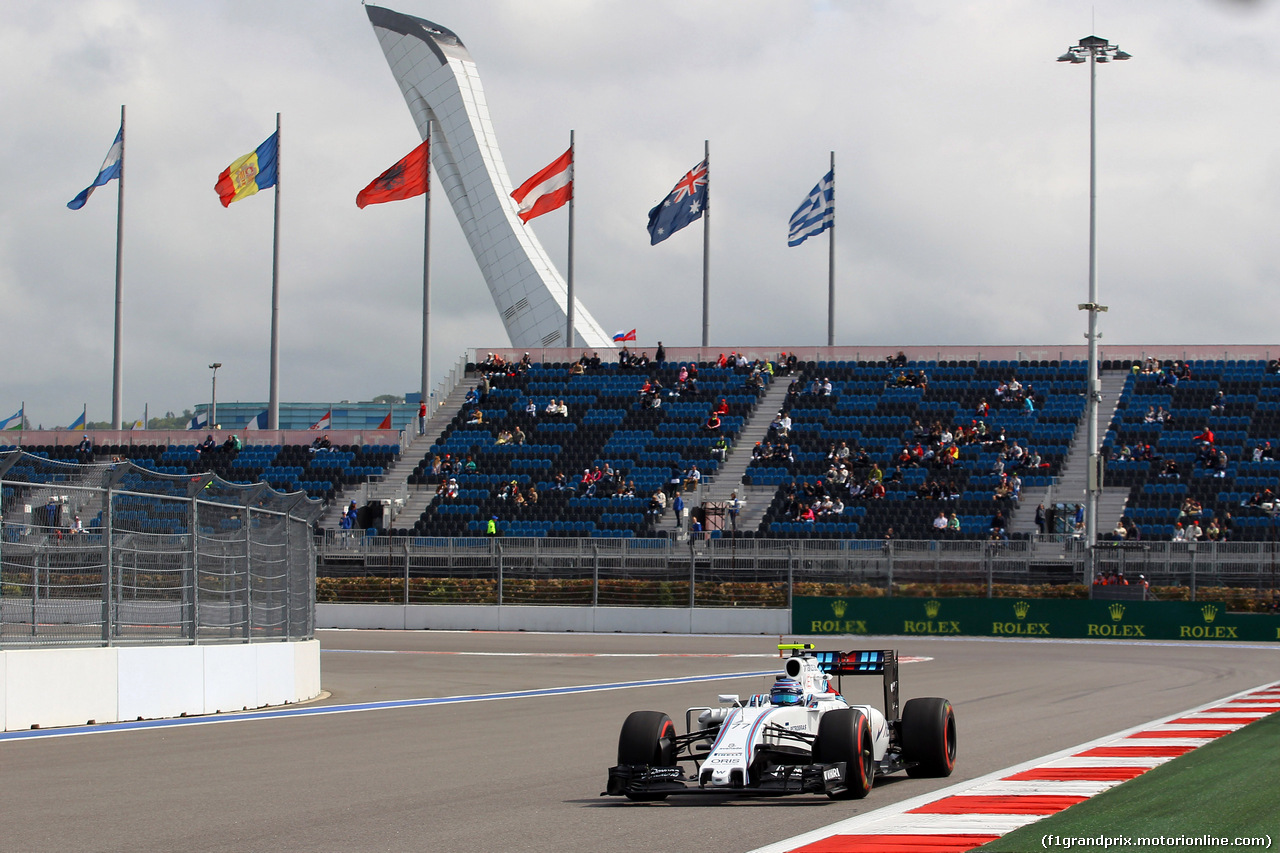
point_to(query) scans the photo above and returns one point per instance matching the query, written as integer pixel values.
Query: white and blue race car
(802, 737)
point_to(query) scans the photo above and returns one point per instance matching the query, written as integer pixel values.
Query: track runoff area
(474, 741)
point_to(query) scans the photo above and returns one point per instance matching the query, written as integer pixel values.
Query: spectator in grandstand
(1194, 533)
(677, 505)
(660, 354)
(472, 399)
(720, 449)
(1119, 533)
(232, 444)
(692, 478)
(657, 504)
(890, 534)
(1170, 470)
(476, 416)
(1179, 532)
(552, 408)
(940, 523)
(713, 424)
(1205, 436)
(559, 482)
(1040, 519)
(422, 418)
(531, 495)
(1226, 524)
(85, 449)
(491, 526)
(518, 437)
(1212, 531)
(953, 522)
(899, 360)
(504, 437)
(531, 409)
(206, 446)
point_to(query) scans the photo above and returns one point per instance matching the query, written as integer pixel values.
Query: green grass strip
(1228, 790)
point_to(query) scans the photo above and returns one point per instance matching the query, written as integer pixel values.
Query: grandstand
(896, 416)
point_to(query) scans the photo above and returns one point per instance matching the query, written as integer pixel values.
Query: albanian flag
(405, 179)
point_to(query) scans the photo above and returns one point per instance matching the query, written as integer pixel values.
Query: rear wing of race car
(873, 662)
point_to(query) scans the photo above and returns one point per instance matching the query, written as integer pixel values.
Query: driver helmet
(786, 691)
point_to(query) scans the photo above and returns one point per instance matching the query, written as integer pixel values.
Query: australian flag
(683, 205)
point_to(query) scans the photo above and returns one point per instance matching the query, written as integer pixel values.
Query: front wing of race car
(642, 781)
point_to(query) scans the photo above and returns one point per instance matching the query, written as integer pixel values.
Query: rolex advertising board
(1034, 617)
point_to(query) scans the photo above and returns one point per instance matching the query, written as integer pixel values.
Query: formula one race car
(802, 737)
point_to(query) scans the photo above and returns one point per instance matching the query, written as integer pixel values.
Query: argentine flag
(111, 168)
(816, 214)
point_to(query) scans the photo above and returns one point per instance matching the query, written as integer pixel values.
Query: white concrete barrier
(71, 687)
(478, 617)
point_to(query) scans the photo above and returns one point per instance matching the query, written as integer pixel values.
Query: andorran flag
(405, 179)
(252, 172)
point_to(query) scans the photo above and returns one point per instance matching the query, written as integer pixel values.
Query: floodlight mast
(1093, 50)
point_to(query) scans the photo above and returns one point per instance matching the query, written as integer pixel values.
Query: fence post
(791, 575)
(988, 554)
(192, 591)
(693, 575)
(108, 557)
(248, 573)
(498, 547)
(595, 574)
(888, 547)
(406, 572)
(1192, 548)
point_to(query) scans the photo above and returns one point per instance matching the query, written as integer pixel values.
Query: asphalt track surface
(525, 773)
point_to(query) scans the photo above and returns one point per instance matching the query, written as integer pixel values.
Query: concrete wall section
(70, 687)
(60, 687)
(463, 617)
(160, 681)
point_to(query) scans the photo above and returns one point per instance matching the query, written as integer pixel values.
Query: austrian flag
(549, 189)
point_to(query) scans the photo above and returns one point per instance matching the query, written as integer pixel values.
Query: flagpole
(831, 261)
(116, 367)
(426, 279)
(706, 243)
(568, 311)
(273, 394)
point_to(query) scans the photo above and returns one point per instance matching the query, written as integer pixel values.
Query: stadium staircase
(395, 477)
(1069, 489)
(729, 478)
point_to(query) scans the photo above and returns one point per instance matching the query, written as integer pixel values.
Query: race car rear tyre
(648, 737)
(845, 735)
(929, 737)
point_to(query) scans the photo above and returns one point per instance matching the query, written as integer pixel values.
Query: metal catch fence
(752, 572)
(111, 553)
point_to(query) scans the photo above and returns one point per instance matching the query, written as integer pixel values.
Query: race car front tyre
(929, 737)
(844, 735)
(648, 738)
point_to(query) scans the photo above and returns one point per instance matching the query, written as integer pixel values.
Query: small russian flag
(625, 336)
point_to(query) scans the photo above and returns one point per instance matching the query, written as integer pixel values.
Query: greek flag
(817, 213)
(109, 171)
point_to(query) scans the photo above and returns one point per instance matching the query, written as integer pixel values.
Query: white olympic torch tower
(442, 86)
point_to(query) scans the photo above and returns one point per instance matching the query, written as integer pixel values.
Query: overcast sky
(962, 181)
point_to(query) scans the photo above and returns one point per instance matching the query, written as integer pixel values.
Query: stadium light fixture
(1093, 50)
(213, 401)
